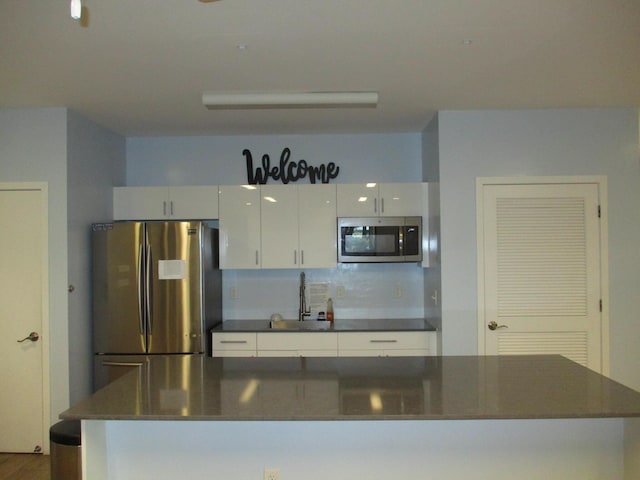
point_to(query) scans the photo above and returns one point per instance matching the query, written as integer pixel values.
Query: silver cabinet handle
(382, 205)
(171, 209)
(301, 257)
(257, 257)
(164, 208)
(383, 341)
(233, 341)
(33, 337)
(295, 257)
(375, 205)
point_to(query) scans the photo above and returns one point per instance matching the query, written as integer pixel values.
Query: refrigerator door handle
(148, 292)
(140, 290)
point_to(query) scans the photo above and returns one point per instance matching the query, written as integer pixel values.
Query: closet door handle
(494, 326)
(33, 337)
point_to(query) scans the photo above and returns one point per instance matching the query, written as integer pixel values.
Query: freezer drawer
(108, 368)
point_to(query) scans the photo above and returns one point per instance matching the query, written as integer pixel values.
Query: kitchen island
(406, 417)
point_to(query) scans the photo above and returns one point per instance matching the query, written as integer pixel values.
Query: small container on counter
(321, 317)
(330, 310)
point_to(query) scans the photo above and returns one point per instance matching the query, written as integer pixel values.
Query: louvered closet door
(542, 271)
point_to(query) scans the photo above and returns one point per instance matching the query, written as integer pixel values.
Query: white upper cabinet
(239, 226)
(279, 215)
(165, 203)
(380, 199)
(194, 202)
(317, 225)
(298, 226)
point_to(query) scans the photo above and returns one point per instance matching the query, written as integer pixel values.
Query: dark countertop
(183, 387)
(339, 325)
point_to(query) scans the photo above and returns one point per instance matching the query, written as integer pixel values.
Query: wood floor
(24, 466)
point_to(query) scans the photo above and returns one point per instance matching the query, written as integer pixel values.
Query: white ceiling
(139, 67)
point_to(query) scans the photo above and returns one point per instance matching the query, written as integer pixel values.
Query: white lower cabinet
(297, 344)
(386, 344)
(233, 344)
(324, 344)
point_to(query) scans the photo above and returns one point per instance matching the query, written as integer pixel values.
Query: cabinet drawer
(225, 343)
(306, 341)
(383, 341)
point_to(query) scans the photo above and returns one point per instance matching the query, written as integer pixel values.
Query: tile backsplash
(392, 290)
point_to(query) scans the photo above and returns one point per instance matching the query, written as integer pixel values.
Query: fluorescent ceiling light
(76, 9)
(215, 101)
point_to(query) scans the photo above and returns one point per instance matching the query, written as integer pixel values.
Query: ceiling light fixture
(216, 101)
(76, 9)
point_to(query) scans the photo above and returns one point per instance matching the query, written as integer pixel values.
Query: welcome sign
(286, 170)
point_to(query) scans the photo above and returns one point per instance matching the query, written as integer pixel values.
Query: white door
(540, 270)
(22, 221)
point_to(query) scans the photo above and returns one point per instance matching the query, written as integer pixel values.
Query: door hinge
(601, 305)
(599, 214)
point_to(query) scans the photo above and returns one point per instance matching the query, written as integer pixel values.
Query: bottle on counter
(330, 310)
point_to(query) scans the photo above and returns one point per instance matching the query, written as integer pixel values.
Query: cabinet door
(233, 344)
(401, 199)
(317, 226)
(357, 199)
(385, 344)
(193, 203)
(279, 216)
(140, 203)
(239, 226)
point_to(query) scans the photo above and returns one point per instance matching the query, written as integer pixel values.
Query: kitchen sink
(296, 325)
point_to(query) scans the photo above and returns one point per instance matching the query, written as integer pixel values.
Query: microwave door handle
(401, 241)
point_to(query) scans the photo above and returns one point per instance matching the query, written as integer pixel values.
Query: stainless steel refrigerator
(157, 290)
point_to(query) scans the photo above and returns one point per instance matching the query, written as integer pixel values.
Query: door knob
(494, 326)
(33, 337)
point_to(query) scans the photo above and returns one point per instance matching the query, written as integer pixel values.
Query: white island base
(585, 449)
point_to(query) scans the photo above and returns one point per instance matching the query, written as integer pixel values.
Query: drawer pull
(383, 341)
(233, 341)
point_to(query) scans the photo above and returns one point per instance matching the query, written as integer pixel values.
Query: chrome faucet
(302, 309)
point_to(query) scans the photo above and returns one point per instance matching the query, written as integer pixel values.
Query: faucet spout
(302, 308)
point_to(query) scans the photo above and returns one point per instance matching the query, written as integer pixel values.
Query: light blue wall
(370, 289)
(219, 160)
(537, 143)
(80, 162)
(95, 162)
(33, 148)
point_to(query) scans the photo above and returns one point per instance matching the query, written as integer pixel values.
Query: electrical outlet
(340, 291)
(397, 290)
(271, 474)
(233, 293)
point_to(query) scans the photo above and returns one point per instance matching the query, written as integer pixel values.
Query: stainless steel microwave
(379, 239)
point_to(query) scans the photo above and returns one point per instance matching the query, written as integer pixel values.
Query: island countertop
(187, 387)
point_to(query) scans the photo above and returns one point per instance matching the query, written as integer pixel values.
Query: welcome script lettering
(287, 171)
